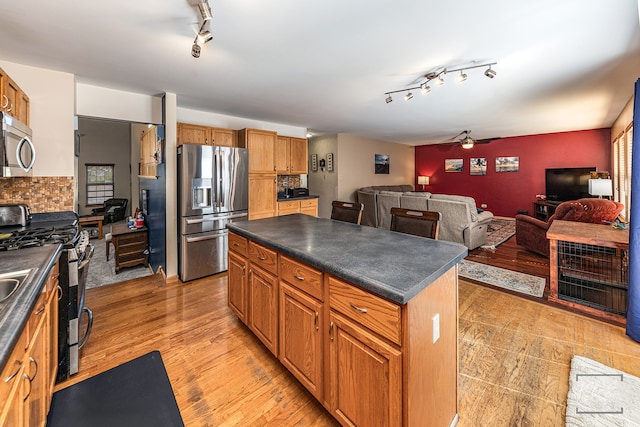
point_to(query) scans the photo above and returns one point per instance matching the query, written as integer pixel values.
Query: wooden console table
(96, 221)
(589, 268)
(130, 246)
(542, 209)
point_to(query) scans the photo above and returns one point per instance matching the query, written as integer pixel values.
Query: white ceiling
(325, 64)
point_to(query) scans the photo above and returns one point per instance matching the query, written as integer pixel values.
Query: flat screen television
(562, 184)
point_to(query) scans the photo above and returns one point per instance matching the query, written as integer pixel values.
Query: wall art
(382, 163)
(507, 164)
(453, 165)
(478, 166)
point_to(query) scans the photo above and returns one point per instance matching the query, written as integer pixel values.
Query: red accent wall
(505, 193)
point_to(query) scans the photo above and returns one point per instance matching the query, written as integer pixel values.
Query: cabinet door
(263, 307)
(36, 383)
(365, 376)
(301, 338)
(261, 146)
(309, 207)
(11, 97)
(299, 149)
(262, 196)
(237, 284)
(224, 137)
(52, 336)
(25, 109)
(288, 207)
(283, 155)
(193, 134)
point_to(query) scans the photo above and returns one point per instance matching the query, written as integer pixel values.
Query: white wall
(96, 101)
(52, 100)
(356, 164)
(324, 183)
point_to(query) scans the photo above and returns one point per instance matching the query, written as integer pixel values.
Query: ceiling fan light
(461, 77)
(490, 73)
(467, 142)
(388, 99)
(205, 11)
(408, 96)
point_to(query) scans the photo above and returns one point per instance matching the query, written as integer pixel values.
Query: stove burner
(33, 237)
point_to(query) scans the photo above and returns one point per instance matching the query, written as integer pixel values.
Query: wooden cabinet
(262, 196)
(150, 152)
(543, 210)
(368, 360)
(261, 147)
(238, 274)
(291, 155)
(130, 246)
(206, 135)
(305, 206)
(13, 100)
(29, 375)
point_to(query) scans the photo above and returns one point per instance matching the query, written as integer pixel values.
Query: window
(99, 183)
(622, 146)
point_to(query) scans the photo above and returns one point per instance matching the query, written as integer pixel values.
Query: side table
(130, 246)
(96, 221)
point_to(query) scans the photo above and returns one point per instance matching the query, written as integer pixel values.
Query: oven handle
(87, 332)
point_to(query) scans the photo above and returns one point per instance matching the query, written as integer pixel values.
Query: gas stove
(38, 236)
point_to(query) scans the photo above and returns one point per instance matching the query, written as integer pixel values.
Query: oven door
(19, 153)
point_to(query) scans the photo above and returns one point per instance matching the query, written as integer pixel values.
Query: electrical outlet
(435, 320)
(483, 206)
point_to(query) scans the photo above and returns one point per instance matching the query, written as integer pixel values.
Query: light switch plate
(435, 320)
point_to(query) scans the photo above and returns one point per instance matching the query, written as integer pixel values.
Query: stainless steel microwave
(17, 152)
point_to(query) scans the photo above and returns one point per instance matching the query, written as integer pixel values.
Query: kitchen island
(364, 318)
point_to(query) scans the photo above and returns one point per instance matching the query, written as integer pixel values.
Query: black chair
(347, 211)
(113, 210)
(418, 223)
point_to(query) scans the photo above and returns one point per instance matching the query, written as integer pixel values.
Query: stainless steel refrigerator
(212, 191)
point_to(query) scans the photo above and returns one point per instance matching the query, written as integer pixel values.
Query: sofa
(531, 233)
(461, 220)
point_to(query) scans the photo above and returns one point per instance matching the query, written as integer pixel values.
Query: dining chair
(346, 211)
(418, 223)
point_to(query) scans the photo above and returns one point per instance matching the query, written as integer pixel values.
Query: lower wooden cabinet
(238, 273)
(263, 307)
(305, 206)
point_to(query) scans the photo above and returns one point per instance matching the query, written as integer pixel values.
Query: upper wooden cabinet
(261, 147)
(206, 135)
(291, 155)
(13, 100)
(150, 152)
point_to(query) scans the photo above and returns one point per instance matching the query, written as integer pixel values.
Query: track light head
(205, 37)
(205, 11)
(408, 96)
(461, 77)
(195, 50)
(425, 88)
(490, 73)
(388, 99)
(438, 81)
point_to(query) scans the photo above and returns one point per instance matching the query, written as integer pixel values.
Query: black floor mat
(137, 393)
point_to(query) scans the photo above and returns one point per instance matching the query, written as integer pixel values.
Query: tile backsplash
(288, 181)
(40, 193)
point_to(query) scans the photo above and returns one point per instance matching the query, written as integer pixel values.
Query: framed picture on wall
(381, 163)
(478, 166)
(453, 165)
(507, 164)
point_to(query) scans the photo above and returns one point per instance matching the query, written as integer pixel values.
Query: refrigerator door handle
(202, 238)
(200, 221)
(216, 177)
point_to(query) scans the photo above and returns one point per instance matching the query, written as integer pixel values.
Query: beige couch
(461, 221)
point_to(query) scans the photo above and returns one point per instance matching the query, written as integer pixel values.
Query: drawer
(10, 373)
(238, 244)
(306, 203)
(264, 257)
(301, 276)
(125, 239)
(379, 315)
(289, 205)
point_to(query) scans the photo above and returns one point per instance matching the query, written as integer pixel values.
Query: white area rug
(601, 396)
(103, 273)
(502, 278)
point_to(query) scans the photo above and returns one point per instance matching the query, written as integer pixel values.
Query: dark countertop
(15, 311)
(285, 199)
(389, 264)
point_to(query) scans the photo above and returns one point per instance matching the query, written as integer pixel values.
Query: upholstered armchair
(532, 233)
(113, 210)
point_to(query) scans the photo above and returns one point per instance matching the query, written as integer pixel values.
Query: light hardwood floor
(514, 355)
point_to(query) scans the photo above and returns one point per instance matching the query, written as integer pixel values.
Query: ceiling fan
(464, 140)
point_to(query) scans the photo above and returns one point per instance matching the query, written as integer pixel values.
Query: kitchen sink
(9, 282)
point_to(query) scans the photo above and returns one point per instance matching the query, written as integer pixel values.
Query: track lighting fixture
(203, 36)
(205, 11)
(436, 79)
